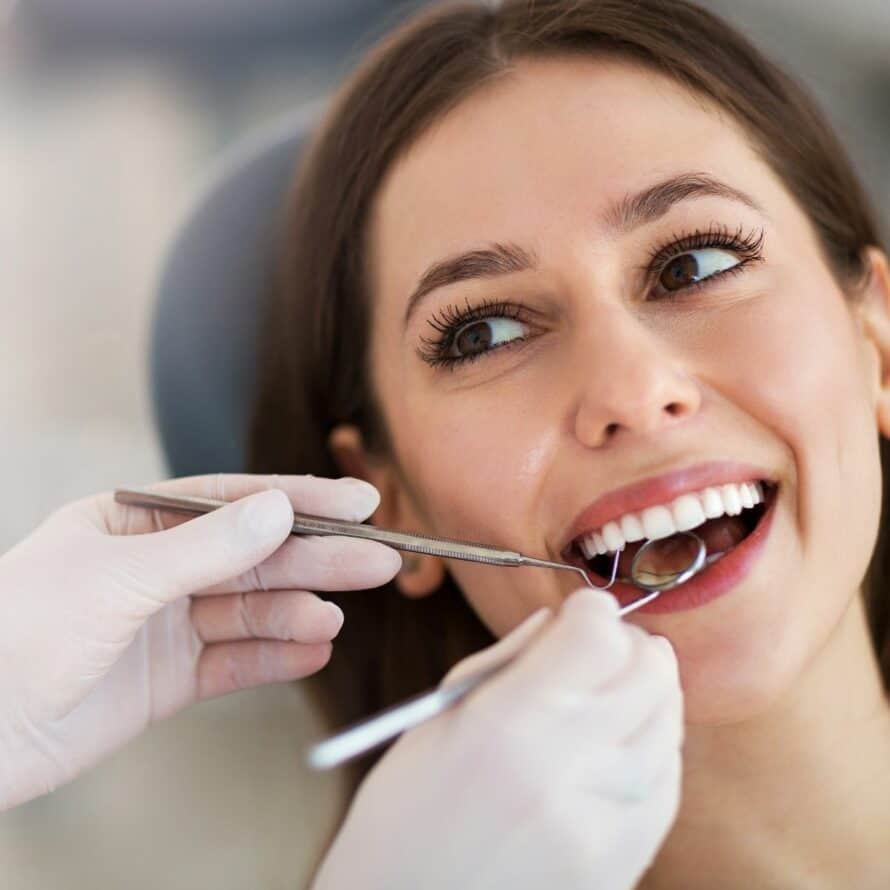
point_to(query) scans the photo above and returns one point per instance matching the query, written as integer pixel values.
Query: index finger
(343, 498)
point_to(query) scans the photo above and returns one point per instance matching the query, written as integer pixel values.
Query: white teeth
(588, 551)
(631, 528)
(712, 503)
(658, 522)
(732, 503)
(685, 512)
(613, 537)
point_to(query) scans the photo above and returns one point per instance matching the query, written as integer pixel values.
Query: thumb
(210, 548)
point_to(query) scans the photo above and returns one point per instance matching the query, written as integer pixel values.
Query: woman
(550, 250)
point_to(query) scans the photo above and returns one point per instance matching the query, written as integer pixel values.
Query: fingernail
(603, 597)
(366, 497)
(338, 612)
(609, 600)
(267, 512)
(665, 645)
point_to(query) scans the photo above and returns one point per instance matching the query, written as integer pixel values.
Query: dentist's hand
(112, 617)
(563, 770)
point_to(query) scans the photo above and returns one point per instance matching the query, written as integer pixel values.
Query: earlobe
(347, 448)
(884, 418)
(420, 574)
(875, 309)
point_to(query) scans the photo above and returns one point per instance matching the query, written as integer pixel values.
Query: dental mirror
(665, 563)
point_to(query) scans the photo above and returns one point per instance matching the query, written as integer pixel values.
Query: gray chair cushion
(210, 302)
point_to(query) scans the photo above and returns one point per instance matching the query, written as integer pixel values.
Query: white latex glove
(562, 771)
(109, 622)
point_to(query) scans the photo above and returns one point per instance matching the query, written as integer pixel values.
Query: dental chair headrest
(210, 301)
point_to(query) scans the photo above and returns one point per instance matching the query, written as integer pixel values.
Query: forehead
(552, 143)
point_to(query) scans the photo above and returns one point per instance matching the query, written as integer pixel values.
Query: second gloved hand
(561, 771)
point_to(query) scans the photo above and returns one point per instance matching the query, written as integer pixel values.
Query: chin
(735, 684)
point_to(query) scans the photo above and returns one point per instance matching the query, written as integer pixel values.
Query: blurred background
(111, 112)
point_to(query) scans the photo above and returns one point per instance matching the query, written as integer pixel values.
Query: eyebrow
(628, 213)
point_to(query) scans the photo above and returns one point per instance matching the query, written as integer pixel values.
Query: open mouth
(721, 535)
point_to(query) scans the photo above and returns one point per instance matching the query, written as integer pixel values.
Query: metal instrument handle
(307, 524)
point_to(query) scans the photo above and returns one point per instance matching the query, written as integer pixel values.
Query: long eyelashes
(449, 322)
(747, 246)
(435, 351)
(451, 319)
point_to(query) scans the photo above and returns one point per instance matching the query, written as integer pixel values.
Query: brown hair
(316, 343)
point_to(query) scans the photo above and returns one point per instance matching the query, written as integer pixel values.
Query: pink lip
(711, 582)
(659, 490)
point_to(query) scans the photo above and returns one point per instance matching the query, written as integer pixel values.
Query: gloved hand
(109, 622)
(563, 770)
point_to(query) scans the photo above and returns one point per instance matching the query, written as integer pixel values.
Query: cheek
(792, 368)
(805, 373)
(478, 474)
(478, 462)
(792, 364)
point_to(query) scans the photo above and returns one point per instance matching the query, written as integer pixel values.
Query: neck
(798, 797)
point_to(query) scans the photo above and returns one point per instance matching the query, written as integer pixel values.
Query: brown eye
(473, 338)
(687, 268)
(679, 272)
(486, 335)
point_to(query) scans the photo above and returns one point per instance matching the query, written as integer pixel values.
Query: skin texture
(619, 381)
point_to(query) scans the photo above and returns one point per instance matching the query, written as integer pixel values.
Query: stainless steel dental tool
(374, 731)
(306, 524)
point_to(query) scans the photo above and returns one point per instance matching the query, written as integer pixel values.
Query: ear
(875, 312)
(420, 574)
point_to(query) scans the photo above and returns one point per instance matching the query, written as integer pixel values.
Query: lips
(711, 582)
(719, 535)
(657, 490)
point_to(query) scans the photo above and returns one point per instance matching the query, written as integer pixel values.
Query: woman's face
(589, 373)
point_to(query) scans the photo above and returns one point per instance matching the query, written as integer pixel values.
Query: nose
(633, 384)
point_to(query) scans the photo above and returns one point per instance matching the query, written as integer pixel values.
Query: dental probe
(306, 524)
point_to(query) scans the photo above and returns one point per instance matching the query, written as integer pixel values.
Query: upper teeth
(685, 512)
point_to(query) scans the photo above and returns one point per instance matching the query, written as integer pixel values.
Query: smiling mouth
(720, 536)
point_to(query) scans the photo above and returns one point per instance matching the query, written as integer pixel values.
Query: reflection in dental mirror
(665, 563)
